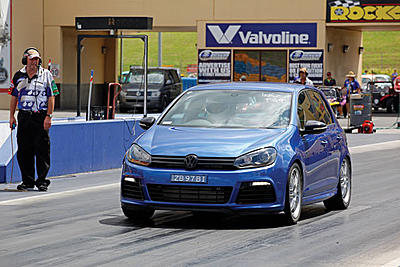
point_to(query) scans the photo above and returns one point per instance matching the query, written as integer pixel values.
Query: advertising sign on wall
(261, 34)
(214, 66)
(363, 11)
(312, 60)
(5, 46)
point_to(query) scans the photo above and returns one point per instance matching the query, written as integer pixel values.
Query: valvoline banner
(261, 34)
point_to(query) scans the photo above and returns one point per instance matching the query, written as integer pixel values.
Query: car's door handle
(324, 142)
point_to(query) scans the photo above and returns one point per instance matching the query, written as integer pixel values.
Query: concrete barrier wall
(79, 146)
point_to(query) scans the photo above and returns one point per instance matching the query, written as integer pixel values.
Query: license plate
(183, 178)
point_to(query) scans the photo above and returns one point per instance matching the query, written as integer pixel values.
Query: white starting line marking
(375, 147)
(353, 150)
(58, 194)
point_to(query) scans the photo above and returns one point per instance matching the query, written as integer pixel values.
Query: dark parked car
(239, 147)
(164, 84)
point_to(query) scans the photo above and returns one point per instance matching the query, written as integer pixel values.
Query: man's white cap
(32, 53)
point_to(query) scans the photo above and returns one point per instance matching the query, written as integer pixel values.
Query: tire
(341, 200)
(122, 109)
(389, 105)
(138, 214)
(163, 104)
(294, 195)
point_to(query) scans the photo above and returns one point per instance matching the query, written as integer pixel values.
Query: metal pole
(159, 49)
(78, 78)
(145, 75)
(121, 60)
(89, 96)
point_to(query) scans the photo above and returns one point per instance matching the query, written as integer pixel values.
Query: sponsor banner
(363, 11)
(5, 46)
(261, 34)
(312, 60)
(214, 66)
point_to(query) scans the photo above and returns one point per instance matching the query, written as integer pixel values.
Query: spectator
(329, 81)
(303, 79)
(394, 75)
(351, 86)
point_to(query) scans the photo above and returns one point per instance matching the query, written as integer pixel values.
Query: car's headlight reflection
(257, 158)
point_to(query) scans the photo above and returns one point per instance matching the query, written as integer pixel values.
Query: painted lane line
(47, 196)
(375, 147)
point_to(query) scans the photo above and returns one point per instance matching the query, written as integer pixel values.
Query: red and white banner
(5, 45)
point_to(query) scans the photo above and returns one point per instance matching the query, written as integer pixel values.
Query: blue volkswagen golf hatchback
(241, 147)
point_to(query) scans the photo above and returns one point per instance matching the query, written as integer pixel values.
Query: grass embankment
(381, 52)
(178, 50)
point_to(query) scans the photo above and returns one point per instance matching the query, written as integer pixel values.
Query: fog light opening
(130, 179)
(260, 183)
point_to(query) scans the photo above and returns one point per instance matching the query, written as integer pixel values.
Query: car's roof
(268, 86)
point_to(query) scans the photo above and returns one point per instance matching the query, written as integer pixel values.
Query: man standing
(329, 81)
(303, 79)
(394, 75)
(351, 86)
(33, 89)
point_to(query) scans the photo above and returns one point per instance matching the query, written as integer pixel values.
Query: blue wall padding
(79, 147)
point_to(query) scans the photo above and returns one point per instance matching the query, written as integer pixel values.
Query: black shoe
(43, 185)
(24, 187)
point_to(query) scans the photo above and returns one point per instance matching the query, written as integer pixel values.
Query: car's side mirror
(168, 82)
(147, 122)
(314, 127)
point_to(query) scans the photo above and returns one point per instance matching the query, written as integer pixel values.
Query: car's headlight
(138, 155)
(258, 158)
(155, 93)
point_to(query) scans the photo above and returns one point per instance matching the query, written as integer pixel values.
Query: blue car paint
(320, 163)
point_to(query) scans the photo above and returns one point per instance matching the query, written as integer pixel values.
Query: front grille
(135, 93)
(132, 189)
(203, 163)
(255, 194)
(190, 194)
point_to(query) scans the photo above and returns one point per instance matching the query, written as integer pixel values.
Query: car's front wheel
(342, 198)
(294, 194)
(137, 213)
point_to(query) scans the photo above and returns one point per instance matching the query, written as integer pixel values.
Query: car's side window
(305, 110)
(175, 76)
(169, 76)
(321, 112)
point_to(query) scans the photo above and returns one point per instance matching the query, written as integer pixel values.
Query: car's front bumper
(138, 102)
(237, 182)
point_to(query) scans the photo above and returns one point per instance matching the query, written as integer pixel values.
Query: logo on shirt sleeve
(54, 88)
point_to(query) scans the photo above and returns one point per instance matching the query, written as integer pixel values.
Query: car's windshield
(382, 78)
(230, 108)
(329, 92)
(153, 76)
(365, 80)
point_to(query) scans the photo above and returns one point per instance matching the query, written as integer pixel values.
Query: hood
(206, 142)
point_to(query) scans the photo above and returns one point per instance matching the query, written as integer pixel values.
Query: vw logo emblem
(191, 162)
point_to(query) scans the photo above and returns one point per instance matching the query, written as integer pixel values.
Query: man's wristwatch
(49, 115)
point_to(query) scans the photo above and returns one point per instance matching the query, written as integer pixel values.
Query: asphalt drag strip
(85, 227)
